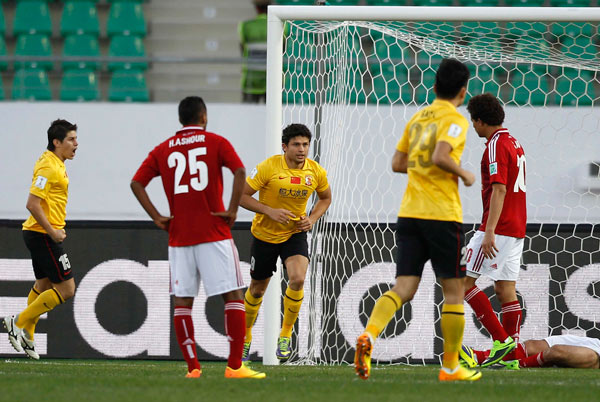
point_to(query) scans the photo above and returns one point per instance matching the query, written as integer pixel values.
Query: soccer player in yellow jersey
(429, 222)
(44, 233)
(284, 184)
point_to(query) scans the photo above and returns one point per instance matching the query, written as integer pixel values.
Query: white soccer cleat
(28, 346)
(14, 333)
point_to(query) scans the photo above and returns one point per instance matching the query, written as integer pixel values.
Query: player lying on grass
(559, 350)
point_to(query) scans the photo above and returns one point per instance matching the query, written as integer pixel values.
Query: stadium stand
(78, 18)
(31, 84)
(32, 17)
(126, 18)
(83, 47)
(128, 86)
(79, 85)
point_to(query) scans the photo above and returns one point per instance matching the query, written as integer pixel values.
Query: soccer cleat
(246, 351)
(460, 374)
(28, 346)
(466, 357)
(195, 373)
(507, 365)
(362, 357)
(244, 372)
(498, 351)
(283, 348)
(14, 333)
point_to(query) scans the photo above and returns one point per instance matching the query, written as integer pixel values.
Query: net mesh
(356, 84)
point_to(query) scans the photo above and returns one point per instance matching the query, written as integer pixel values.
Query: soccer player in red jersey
(496, 248)
(200, 243)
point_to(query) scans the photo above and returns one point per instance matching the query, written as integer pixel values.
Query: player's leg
(505, 285)
(185, 282)
(571, 356)
(39, 287)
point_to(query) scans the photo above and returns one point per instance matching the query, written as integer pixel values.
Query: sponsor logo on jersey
(292, 193)
(493, 168)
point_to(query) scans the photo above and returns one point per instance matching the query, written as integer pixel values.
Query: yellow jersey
(432, 193)
(50, 183)
(279, 186)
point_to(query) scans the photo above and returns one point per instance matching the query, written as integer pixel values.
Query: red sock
(511, 319)
(485, 313)
(184, 330)
(532, 361)
(235, 329)
(481, 355)
(517, 354)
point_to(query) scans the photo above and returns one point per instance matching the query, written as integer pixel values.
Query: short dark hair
(450, 77)
(487, 108)
(190, 110)
(58, 131)
(261, 5)
(295, 130)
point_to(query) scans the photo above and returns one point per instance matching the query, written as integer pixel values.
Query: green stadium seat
(300, 83)
(564, 30)
(387, 2)
(128, 86)
(390, 84)
(84, 47)
(433, 3)
(525, 3)
(570, 3)
(33, 45)
(343, 2)
(127, 47)
(126, 1)
(579, 48)
(425, 79)
(2, 21)
(442, 29)
(393, 50)
(3, 53)
(482, 80)
(527, 88)
(82, 1)
(1, 89)
(478, 3)
(574, 88)
(32, 17)
(79, 85)
(31, 84)
(79, 17)
(535, 31)
(126, 18)
(481, 34)
(296, 2)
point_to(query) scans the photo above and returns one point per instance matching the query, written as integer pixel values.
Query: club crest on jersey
(308, 180)
(493, 168)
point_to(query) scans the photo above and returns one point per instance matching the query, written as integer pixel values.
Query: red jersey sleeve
(229, 157)
(499, 163)
(148, 169)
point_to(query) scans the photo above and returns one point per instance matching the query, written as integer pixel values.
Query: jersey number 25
(198, 169)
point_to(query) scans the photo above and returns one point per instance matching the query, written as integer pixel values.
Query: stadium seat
(433, 3)
(392, 50)
(31, 84)
(425, 78)
(570, 3)
(33, 45)
(32, 17)
(79, 85)
(525, 3)
(128, 86)
(81, 46)
(2, 21)
(579, 48)
(300, 83)
(3, 63)
(534, 31)
(79, 17)
(387, 2)
(390, 84)
(126, 1)
(564, 30)
(1, 89)
(482, 80)
(574, 88)
(343, 2)
(442, 29)
(527, 88)
(296, 2)
(125, 18)
(478, 3)
(127, 47)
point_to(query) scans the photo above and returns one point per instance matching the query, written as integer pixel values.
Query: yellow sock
(30, 327)
(385, 308)
(45, 302)
(252, 305)
(453, 325)
(292, 301)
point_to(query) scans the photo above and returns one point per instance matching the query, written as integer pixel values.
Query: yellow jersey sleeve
(402, 145)
(453, 130)
(259, 176)
(43, 178)
(323, 183)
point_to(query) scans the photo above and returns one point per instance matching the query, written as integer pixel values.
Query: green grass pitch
(124, 380)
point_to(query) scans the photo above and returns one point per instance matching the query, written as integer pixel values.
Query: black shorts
(442, 242)
(48, 258)
(264, 255)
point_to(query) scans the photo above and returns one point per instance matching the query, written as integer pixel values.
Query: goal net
(355, 75)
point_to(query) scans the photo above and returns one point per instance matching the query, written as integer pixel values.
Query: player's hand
(163, 222)
(228, 216)
(281, 215)
(305, 223)
(488, 245)
(58, 235)
(468, 178)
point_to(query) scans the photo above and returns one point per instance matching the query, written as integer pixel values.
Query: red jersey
(504, 162)
(190, 164)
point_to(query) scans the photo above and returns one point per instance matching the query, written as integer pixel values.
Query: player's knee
(506, 293)
(296, 283)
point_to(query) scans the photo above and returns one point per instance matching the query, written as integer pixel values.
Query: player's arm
(442, 159)
(247, 201)
(306, 222)
(488, 245)
(400, 162)
(34, 206)
(142, 196)
(239, 178)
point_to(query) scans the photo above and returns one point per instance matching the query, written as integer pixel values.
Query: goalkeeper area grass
(126, 380)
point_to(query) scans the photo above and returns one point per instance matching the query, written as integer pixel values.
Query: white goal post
(352, 105)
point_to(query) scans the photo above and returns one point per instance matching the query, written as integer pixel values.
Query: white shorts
(504, 267)
(573, 340)
(216, 263)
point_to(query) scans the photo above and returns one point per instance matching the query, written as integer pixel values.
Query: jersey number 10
(198, 169)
